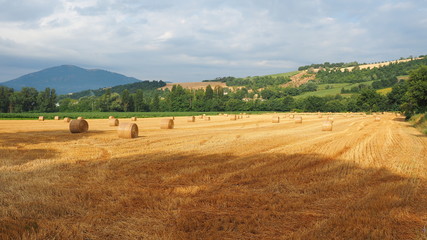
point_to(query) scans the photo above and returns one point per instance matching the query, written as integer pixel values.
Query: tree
(46, 100)
(209, 94)
(5, 94)
(126, 100)
(417, 90)
(371, 101)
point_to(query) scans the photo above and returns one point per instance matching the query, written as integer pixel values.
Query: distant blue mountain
(68, 78)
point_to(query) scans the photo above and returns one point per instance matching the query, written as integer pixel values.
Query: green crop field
(101, 115)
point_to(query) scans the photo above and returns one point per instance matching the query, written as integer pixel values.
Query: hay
(113, 122)
(201, 117)
(133, 119)
(327, 126)
(291, 116)
(79, 126)
(41, 118)
(56, 118)
(207, 118)
(191, 119)
(225, 115)
(298, 120)
(111, 117)
(80, 118)
(320, 116)
(377, 119)
(127, 130)
(166, 124)
(67, 119)
(275, 119)
(233, 117)
(330, 119)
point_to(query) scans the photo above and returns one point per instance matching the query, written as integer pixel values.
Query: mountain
(68, 78)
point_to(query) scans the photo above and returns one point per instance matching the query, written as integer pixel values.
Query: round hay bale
(327, 126)
(201, 117)
(320, 116)
(191, 119)
(377, 119)
(330, 119)
(226, 115)
(80, 118)
(207, 118)
(56, 118)
(298, 120)
(67, 119)
(111, 117)
(41, 118)
(173, 118)
(275, 119)
(133, 119)
(127, 130)
(233, 117)
(79, 126)
(247, 116)
(166, 124)
(113, 122)
(291, 116)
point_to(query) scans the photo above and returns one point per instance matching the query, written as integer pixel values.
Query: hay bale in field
(327, 126)
(207, 118)
(233, 117)
(79, 126)
(133, 119)
(166, 124)
(111, 117)
(41, 118)
(330, 118)
(113, 122)
(67, 119)
(377, 119)
(298, 120)
(56, 118)
(127, 130)
(191, 119)
(291, 116)
(275, 119)
(226, 115)
(201, 117)
(247, 116)
(80, 118)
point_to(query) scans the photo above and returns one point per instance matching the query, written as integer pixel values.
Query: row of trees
(27, 100)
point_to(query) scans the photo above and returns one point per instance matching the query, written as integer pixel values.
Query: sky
(194, 40)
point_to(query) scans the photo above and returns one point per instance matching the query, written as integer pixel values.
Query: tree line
(408, 96)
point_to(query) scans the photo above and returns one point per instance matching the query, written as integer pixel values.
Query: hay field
(217, 179)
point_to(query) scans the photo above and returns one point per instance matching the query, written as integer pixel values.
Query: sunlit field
(218, 179)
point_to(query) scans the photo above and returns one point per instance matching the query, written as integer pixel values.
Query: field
(218, 179)
(195, 85)
(335, 88)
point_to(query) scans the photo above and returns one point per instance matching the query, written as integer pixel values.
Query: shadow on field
(14, 148)
(223, 196)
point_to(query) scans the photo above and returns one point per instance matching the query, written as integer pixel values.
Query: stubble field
(218, 179)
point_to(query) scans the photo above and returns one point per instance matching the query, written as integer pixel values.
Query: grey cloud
(28, 10)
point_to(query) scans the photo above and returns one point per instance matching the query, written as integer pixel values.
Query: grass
(335, 88)
(420, 122)
(101, 115)
(384, 91)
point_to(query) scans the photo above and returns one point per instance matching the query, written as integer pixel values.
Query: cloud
(194, 40)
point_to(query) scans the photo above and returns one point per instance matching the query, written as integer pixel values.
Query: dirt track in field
(218, 179)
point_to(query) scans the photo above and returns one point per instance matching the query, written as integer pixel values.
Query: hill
(68, 78)
(131, 87)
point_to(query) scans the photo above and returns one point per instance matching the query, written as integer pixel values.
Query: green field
(335, 88)
(288, 74)
(101, 115)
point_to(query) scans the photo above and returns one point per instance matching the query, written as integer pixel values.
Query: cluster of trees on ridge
(408, 96)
